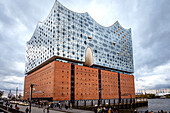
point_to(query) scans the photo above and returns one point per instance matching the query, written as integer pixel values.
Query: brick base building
(59, 81)
(76, 38)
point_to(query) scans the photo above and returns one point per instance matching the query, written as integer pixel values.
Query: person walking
(66, 107)
(114, 109)
(26, 110)
(70, 106)
(109, 111)
(100, 110)
(11, 106)
(6, 104)
(146, 111)
(16, 107)
(43, 109)
(48, 109)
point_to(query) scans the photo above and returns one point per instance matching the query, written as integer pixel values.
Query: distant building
(153, 91)
(72, 58)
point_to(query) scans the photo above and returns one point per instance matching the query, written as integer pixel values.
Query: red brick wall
(62, 81)
(44, 79)
(53, 79)
(86, 83)
(127, 86)
(109, 85)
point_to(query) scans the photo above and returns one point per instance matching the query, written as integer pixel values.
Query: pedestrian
(15, 106)
(146, 111)
(48, 109)
(61, 105)
(43, 109)
(11, 106)
(114, 110)
(100, 110)
(6, 104)
(26, 110)
(135, 111)
(66, 107)
(103, 110)
(7, 108)
(70, 106)
(109, 111)
(106, 110)
(52, 105)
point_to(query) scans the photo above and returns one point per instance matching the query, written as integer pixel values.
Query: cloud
(155, 78)
(18, 20)
(153, 34)
(8, 83)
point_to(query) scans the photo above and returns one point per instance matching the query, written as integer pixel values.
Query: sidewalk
(35, 109)
(54, 110)
(73, 110)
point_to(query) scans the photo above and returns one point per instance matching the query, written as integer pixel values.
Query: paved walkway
(52, 110)
(35, 109)
(73, 110)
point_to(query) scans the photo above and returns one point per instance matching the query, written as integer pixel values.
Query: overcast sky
(148, 19)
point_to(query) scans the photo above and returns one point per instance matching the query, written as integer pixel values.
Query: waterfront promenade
(125, 107)
(52, 110)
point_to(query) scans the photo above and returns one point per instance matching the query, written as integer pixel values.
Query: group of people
(46, 106)
(52, 105)
(9, 105)
(59, 105)
(106, 110)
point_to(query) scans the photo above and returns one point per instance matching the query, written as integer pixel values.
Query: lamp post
(100, 99)
(118, 106)
(31, 86)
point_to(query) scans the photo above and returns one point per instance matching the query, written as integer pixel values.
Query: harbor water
(156, 105)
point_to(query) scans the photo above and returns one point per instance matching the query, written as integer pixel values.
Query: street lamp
(100, 99)
(31, 87)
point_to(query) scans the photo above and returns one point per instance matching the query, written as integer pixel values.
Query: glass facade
(68, 34)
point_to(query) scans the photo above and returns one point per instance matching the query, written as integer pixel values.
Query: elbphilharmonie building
(77, 39)
(67, 34)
